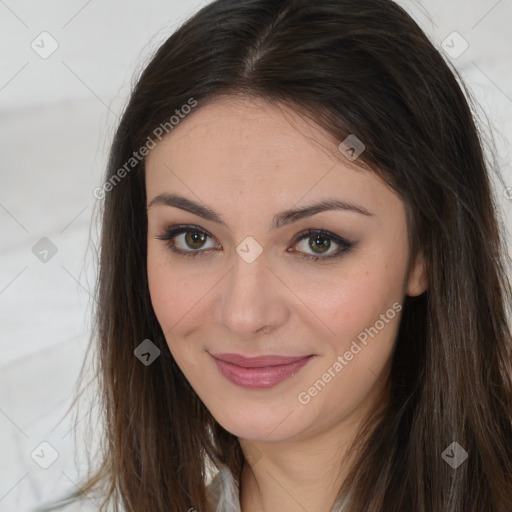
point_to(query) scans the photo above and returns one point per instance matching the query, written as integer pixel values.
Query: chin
(256, 424)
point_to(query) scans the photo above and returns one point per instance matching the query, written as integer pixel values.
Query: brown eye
(195, 239)
(188, 240)
(317, 245)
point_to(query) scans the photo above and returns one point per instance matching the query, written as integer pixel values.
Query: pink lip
(258, 372)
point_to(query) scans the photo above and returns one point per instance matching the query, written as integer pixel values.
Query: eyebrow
(281, 219)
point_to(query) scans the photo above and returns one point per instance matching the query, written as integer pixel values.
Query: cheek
(159, 280)
(180, 292)
(173, 294)
(361, 308)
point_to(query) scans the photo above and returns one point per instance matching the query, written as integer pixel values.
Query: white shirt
(222, 494)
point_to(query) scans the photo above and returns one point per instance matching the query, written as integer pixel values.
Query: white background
(57, 117)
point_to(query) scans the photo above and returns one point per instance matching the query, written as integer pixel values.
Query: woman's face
(250, 275)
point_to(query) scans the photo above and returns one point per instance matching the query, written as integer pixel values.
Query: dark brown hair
(360, 67)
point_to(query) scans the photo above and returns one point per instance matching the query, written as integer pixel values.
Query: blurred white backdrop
(66, 69)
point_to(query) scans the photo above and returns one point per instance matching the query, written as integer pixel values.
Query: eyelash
(171, 232)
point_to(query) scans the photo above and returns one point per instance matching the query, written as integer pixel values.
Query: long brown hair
(360, 67)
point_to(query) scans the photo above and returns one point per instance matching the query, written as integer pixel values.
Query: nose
(252, 299)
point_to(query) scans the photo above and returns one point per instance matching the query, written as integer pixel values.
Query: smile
(259, 372)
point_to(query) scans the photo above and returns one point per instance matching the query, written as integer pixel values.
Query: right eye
(187, 240)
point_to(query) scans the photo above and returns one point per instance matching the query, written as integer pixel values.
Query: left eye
(193, 241)
(321, 242)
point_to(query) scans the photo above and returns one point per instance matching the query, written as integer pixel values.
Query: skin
(249, 160)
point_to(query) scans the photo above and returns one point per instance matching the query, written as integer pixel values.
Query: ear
(417, 280)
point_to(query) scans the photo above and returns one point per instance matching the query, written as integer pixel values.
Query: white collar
(223, 494)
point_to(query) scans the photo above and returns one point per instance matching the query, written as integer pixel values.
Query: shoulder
(221, 493)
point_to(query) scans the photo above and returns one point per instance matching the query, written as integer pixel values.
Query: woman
(302, 281)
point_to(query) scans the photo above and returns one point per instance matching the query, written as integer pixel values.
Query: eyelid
(173, 231)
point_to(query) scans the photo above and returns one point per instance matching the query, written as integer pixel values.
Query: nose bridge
(250, 299)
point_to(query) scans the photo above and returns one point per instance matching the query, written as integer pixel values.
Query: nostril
(263, 330)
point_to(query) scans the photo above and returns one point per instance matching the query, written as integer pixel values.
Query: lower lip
(259, 378)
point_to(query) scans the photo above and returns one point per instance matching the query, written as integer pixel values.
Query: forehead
(245, 128)
(251, 149)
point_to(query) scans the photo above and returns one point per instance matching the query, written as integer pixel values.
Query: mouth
(259, 372)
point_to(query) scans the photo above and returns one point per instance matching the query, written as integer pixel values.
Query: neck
(300, 474)
(292, 476)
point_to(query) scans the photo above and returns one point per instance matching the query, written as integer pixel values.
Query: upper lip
(258, 362)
